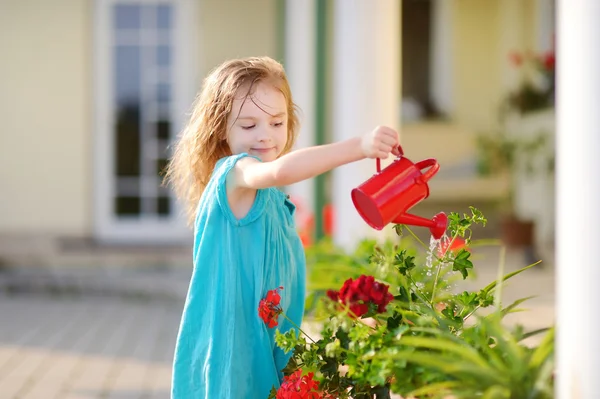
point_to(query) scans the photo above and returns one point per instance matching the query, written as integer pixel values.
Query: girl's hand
(380, 142)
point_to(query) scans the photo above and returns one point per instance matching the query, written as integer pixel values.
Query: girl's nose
(264, 135)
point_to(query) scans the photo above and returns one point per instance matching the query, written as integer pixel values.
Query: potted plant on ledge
(521, 147)
(502, 153)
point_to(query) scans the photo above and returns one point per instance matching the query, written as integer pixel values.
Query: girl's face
(257, 123)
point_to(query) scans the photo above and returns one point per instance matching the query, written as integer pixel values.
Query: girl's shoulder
(217, 191)
(225, 164)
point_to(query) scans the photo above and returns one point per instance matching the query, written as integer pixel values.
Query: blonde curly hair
(203, 141)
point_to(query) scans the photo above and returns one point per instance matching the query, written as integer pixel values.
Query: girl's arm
(312, 161)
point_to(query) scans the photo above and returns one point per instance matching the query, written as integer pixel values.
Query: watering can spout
(437, 225)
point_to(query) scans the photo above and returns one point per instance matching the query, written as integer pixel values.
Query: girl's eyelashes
(248, 127)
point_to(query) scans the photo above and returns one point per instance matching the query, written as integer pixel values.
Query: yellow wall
(485, 32)
(235, 28)
(477, 61)
(45, 102)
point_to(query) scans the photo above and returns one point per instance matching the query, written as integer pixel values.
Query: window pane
(163, 17)
(163, 205)
(163, 129)
(163, 56)
(127, 141)
(128, 187)
(163, 92)
(127, 16)
(127, 206)
(127, 92)
(127, 75)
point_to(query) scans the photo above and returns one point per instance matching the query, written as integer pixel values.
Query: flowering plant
(537, 82)
(361, 293)
(269, 309)
(297, 386)
(399, 325)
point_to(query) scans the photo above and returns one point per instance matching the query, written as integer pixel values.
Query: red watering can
(389, 194)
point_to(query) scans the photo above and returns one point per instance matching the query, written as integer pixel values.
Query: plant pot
(517, 233)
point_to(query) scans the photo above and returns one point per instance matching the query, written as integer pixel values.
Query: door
(143, 86)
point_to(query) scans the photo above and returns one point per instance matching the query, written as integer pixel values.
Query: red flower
(333, 295)
(269, 309)
(358, 293)
(297, 386)
(549, 60)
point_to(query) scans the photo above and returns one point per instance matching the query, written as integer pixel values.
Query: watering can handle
(400, 152)
(426, 163)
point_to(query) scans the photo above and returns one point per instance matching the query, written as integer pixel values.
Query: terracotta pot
(517, 233)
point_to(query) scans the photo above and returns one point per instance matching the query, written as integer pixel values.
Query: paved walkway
(76, 348)
(110, 333)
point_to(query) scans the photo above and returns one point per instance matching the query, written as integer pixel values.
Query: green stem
(437, 274)
(298, 327)
(501, 264)
(485, 242)
(415, 237)
(424, 245)
(354, 315)
(417, 290)
(472, 313)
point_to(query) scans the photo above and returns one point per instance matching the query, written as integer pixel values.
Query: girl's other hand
(380, 142)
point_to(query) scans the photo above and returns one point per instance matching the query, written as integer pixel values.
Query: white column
(578, 199)
(300, 69)
(366, 79)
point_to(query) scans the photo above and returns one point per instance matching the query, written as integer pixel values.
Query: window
(141, 76)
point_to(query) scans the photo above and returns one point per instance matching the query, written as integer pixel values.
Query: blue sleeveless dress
(224, 350)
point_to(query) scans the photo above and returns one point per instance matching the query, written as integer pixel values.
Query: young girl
(227, 165)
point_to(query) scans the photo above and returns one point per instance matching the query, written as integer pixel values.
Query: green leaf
(462, 349)
(330, 367)
(544, 350)
(403, 296)
(373, 310)
(404, 263)
(496, 392)
(484, 298)
(434, 388)
(493, 284)
(394, 321)
(466, 298)
(452, 366)
(273, 393)
(287, 341)
(399, 229)
(506, 344)
(534, 332)
(477, 216)
(343, 337)
(462, 263)
(311, 359)
(449, 313)
(511, 308)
